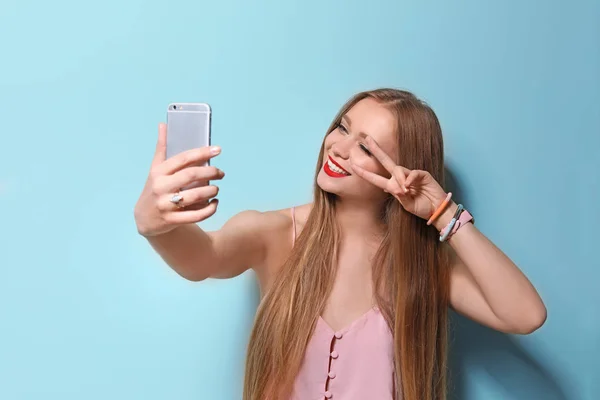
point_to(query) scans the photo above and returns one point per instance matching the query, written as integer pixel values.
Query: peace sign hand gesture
(417, 191)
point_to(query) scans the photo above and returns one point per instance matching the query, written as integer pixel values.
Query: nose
(341, 148)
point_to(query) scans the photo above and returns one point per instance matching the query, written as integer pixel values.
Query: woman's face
(345, 145)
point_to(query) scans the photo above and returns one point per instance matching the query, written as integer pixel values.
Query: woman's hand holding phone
(157, 211)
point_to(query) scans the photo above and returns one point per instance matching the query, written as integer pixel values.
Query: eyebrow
(347, 118)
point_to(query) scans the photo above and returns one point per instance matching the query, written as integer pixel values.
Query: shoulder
(277, 232)
(260, 221)
(301, 213)
(277, 221)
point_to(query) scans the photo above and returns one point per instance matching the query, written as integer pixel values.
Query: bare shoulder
(255, 240)
(282, 219)
(261, 223)
(278, 231)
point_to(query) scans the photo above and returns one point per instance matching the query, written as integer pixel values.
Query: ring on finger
(176, 199)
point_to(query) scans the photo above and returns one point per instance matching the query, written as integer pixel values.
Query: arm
(172, 231)
(196, 255)
(486, 286)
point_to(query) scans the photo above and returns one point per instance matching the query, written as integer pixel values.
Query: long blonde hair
(410, 276)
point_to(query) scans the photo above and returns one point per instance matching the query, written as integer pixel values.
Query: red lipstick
(332, 173)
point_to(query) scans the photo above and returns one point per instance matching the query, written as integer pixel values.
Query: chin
(328, 184)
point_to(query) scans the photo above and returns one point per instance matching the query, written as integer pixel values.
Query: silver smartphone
(188, 127)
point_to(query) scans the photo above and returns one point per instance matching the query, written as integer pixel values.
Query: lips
(334, 169)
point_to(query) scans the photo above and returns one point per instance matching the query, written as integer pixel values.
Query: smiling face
(345, 144)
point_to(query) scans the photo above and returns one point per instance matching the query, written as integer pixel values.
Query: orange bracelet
(440, 209)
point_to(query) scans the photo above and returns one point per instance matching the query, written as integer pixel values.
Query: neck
(359, 219)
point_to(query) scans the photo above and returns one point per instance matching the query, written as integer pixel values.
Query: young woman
(356, 285)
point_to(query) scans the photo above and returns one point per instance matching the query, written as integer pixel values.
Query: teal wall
(88, 311)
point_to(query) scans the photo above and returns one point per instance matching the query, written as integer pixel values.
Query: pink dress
(354, 363)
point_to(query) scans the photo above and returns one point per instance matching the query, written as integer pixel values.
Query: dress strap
(293, 226)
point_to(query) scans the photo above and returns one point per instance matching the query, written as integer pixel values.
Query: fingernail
(215, 150)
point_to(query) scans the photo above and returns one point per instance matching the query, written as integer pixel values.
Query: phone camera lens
(174, 107)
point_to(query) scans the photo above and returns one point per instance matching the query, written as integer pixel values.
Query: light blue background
(89, 311)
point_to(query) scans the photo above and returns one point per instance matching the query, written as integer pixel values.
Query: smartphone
(188, 127)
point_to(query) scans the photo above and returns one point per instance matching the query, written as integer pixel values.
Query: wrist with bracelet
(460, 218)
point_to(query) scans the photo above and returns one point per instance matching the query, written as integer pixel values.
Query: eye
(342, 129)
(363, 148)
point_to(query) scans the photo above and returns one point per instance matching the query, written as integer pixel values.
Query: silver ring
(177, 199)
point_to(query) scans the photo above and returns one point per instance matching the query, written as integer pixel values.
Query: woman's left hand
(417, 191)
